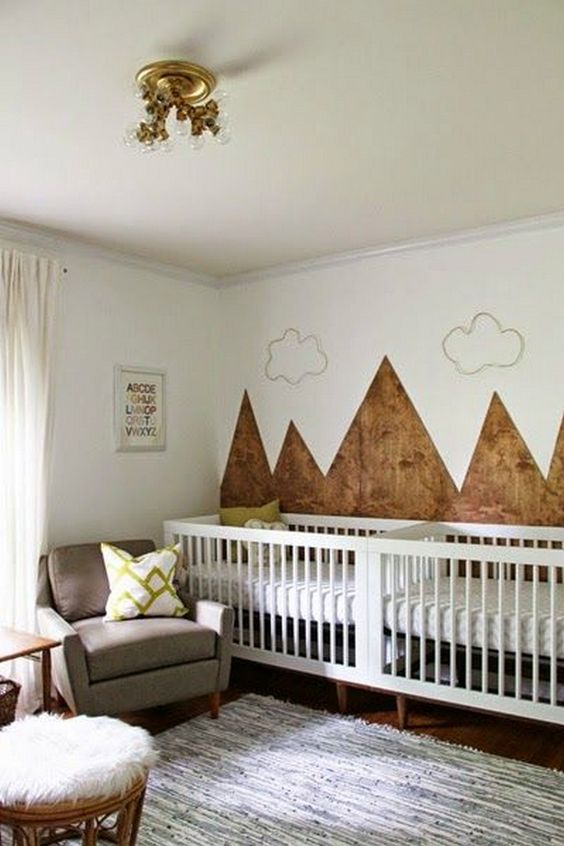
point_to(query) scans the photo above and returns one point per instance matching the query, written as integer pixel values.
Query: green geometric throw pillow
(142, 587)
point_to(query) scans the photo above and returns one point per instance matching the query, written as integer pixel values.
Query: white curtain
(28, 297)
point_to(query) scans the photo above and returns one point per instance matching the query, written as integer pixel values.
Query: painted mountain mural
(503, 482)
(298, 481)
(388, 466)
(247, 479)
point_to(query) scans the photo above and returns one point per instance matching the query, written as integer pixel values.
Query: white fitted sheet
(289, 596)
(426, 618)
(313, 599)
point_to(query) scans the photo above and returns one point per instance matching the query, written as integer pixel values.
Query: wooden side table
(15, 644)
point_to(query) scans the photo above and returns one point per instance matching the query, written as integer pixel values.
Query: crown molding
(59, 245)
(62, 246)
(553, 220)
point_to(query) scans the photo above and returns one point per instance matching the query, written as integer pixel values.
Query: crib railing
(472, 615)
(470, 623)
(349, 526)
(297, 595)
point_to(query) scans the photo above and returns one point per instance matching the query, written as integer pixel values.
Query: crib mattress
(291, 596)
(423, 615)
(320, 600)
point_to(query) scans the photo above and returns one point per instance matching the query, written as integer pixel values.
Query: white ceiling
(356, 123)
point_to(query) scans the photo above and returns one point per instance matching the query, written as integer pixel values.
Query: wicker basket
(9, 692)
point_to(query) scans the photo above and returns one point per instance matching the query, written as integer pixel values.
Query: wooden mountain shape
(247, 479)
(503, 483)
(553, 505)
(298, 481)
(387, 465)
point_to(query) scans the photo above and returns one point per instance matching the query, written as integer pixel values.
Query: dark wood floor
(535, 743)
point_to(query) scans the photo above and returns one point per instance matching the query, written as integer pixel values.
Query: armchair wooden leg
(401, 706)
(215, 700)
(342, 697)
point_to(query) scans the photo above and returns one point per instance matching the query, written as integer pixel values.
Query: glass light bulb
(130, 138)
(182, 127)
(222, 119)
(223, 136)
(149, 148)
(197, 142)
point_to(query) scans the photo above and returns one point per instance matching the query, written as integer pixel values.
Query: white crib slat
(261, 610)
(251, 589)
(208, 563)
(273, 608)
(188, 561)
(468, 575)
(422, 645)
(437, 623)
(239, 553)
(501, 624)
(284, 589)
(345, 584)
(229, 560)
(332, 640)
(394, 601)
(452, 602)
(484, 586)
(553, 638)
(307, 574)
(518, 629)
(535, 633)
(199, 546)
(406, 570)
(296, 596)
(320, 606)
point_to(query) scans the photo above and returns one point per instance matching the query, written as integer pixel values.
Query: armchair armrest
(214, 615)
(51, 624)
(220, 618)
(70, 671)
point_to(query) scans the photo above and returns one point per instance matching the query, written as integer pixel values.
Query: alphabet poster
(139, 409)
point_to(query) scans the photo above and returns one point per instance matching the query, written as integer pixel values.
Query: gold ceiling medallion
(177, 99)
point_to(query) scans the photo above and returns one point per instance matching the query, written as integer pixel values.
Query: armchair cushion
(135, 646)
(78, 579)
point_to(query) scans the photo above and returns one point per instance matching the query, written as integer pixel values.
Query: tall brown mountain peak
(298, 481)
(503, 483)
(247, 479)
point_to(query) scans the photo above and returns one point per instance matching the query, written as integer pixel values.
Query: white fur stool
(84, 776)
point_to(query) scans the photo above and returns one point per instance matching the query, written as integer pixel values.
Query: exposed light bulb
(223, 136)
(222, 119)
(197, 142)
(182, 127)
(130, 138)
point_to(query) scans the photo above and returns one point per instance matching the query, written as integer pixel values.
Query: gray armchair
(110, 668)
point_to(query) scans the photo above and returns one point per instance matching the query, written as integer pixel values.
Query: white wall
(114, 313)
(402, 305)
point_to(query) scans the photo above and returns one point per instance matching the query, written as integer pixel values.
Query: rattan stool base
(113, 818)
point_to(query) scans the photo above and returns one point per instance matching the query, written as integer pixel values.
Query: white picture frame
(139, 409)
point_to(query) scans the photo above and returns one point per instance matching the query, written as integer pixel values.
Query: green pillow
(239, 515)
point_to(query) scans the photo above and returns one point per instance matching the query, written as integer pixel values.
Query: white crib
(471, 615)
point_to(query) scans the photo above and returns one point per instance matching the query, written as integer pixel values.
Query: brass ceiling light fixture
(177, 100)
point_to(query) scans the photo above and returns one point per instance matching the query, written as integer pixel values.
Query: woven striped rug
(272, 773)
